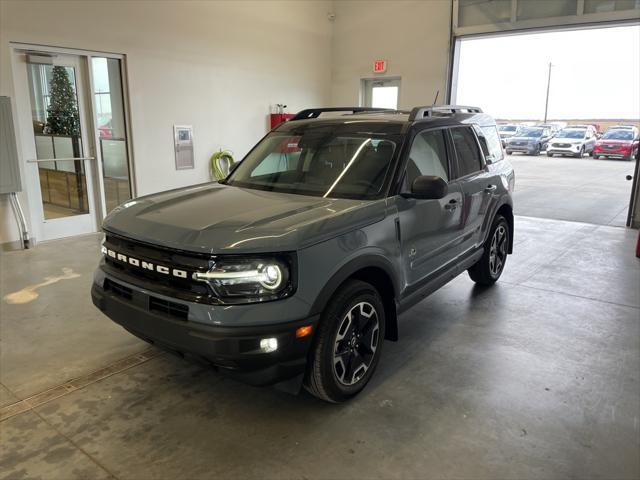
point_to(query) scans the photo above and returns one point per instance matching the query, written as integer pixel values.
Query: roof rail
(315, 112)
(419, 113)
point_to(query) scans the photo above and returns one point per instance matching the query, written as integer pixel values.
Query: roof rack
(315, 112)
(419, 113)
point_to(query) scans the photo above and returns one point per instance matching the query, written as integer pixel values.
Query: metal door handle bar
(38, 160)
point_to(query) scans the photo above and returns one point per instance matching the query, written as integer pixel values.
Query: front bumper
(234, 351)
(612, 153)
(572, 150)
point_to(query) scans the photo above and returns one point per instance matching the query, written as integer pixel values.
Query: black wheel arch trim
(350, 270)
(510, 220)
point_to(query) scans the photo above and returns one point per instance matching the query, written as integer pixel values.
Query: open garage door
(562, 77)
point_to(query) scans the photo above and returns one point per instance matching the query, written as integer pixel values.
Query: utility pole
(546, 104)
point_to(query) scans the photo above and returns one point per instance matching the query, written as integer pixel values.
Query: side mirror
(428, 187)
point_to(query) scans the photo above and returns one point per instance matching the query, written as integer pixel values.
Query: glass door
(381, 92)
(109, 120)
(64, 163)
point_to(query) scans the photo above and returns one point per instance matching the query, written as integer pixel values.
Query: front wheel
(488, 269)
(580, 154)
(509, 152)
(348, 343)
(549, 154)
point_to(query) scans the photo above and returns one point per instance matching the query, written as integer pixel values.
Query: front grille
(164, 283)
(118, 290)
(612, 147)
(170, 309)
(561, 145)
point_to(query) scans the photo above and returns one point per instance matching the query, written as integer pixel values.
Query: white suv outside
(574, 141)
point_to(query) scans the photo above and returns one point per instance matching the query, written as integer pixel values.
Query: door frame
(21, 94)
(364, 85)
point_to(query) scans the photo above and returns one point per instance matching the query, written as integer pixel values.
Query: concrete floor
(537, 377)
(576, 189)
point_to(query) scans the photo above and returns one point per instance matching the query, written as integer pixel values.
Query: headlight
(248, 280)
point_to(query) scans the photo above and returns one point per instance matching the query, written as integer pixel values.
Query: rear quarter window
(490, 142)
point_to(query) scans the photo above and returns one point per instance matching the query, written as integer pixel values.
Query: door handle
(490, 189)
(451, 206)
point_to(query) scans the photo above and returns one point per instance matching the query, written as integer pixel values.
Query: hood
(215, 218)
(516, 138)
(568, 140)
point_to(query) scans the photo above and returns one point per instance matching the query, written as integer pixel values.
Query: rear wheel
(348, 344)
(490, 266)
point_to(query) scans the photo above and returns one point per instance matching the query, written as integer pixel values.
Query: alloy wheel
(498, 251)
(356, 343)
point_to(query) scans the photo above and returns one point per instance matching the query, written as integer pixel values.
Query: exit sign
(379, 66)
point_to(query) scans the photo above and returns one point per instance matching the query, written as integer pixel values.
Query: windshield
(618, 135)
(507, 128)
(530, 132)
(571, 134)
(318, 162)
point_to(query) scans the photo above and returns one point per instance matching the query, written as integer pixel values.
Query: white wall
(413, 36)
(216, 65)
(219, 65)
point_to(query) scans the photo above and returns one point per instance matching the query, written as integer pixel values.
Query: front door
(431, 230)
(61, 164)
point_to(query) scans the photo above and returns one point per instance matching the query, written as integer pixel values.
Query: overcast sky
(595, 74)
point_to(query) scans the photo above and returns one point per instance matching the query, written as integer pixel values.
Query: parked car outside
(507, 131)
(619, 143)
(574, 141)
(529, 140)
(296, 267)
(553, 128)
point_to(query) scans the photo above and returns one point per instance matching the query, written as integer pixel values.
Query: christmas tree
(62, 112)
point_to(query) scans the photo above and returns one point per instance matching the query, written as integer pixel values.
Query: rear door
(431, 231)
(478, 184)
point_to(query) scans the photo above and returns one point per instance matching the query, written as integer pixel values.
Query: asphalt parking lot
(574, 189)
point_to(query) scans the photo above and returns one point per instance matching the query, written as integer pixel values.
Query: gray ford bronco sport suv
(294, 269)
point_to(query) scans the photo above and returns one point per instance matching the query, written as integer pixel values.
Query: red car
(618, 142)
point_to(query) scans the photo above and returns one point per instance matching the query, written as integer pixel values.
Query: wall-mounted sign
(379, 66)
(183, 143)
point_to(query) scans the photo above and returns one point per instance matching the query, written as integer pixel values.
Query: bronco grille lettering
(143, 264)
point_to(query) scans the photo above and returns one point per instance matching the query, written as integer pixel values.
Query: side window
(468, 153)
(494, 145)
(428, 156)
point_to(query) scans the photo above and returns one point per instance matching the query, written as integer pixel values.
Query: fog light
(268, 345)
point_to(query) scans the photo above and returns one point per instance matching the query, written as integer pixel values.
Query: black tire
(330, 380)
(549, 154)
(580, 154)
(596, 157)
(509, 152)
(536, 152)
(484, 272)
